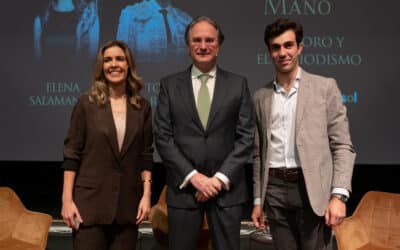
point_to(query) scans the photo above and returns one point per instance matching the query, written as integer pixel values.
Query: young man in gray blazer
(303, 154)
(204, 131)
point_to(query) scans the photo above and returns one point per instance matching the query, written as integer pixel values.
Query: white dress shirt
(282, 149)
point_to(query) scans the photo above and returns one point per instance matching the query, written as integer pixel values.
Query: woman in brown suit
(108, 156)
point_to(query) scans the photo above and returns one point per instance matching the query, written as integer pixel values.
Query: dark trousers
(105, 237)
(184, 226)
(293, 224)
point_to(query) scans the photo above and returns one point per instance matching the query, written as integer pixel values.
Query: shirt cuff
(257, 201)
(187, 179)
(224, 179)
(343, 191)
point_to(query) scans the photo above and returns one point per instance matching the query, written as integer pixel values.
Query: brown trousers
(105, 237)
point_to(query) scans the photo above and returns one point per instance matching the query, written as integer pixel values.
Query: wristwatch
(341, 197)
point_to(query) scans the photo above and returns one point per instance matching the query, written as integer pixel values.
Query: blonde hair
(99, 92)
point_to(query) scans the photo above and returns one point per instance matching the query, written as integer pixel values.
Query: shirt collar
(196, 72)
(279, 89)
(157, 6)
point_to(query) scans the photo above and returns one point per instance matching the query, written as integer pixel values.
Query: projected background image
(49, 47)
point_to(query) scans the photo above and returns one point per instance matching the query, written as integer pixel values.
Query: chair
(20, 228)
(374, 225)
(159, 224)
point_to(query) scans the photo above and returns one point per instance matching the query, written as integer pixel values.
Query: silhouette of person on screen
(154, 30)
(66, 28)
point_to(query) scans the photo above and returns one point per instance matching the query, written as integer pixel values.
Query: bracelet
(149, 180)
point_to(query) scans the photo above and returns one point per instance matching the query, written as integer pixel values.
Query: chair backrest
(11, 208)
(375, 224)
(21, 228)
(161, 200)
(379, 212)
(159, 219)
(159, 224)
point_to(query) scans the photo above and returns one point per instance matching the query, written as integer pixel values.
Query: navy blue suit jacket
(223, 146)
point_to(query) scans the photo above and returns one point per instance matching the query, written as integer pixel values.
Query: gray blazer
(322, 139)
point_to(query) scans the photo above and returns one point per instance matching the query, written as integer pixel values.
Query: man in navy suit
(204, 130)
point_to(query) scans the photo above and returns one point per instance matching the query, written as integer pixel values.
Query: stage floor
(60, 238)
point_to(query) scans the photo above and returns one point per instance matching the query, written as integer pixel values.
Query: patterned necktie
(167, 28)
(203, 100)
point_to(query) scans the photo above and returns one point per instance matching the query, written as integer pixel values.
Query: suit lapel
(221, 85)
(131, 127)
(187, 97)
(106, 119)
(266, 107)
(303, 96)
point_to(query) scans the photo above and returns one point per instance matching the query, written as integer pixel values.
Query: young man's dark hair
(280, 26)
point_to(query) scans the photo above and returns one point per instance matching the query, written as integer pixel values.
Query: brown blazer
(108, 184)
(322, 139)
